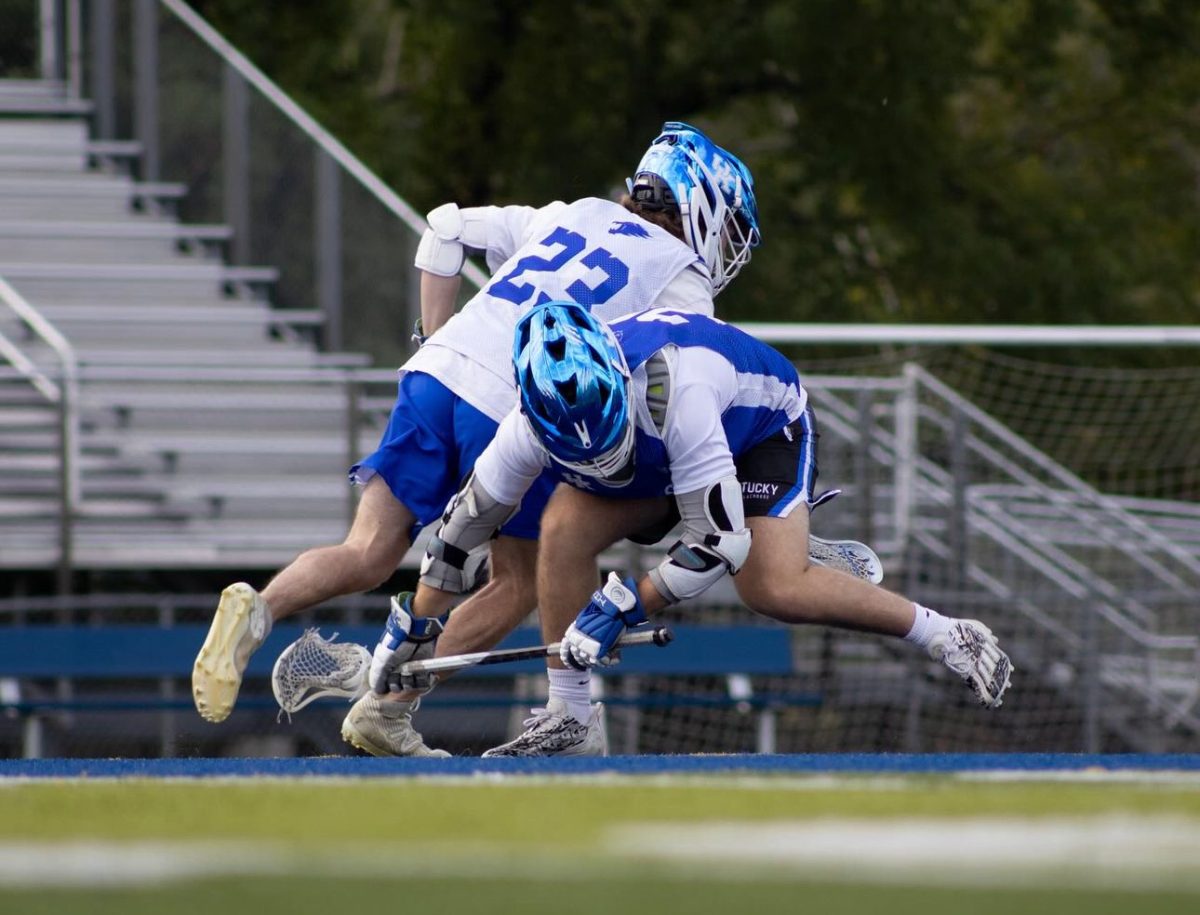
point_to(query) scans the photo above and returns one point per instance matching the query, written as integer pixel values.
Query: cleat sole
(215, 677)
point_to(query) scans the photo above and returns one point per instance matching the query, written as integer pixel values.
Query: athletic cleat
(970, 650)
(239, 627)
(385, 728)
(553, 731)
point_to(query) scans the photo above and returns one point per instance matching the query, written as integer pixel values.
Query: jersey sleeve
(702, 387)
(508, 228)
(512, 461)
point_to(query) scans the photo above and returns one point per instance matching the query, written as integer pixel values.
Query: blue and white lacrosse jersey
(592, 251)
(728, 393)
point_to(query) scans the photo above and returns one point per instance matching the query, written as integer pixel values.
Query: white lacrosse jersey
(592, 251)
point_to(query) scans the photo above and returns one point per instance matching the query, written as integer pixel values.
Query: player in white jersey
(662, 417)
(677, 239)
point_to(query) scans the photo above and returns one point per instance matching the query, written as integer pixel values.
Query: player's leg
(778, 580)
(576, 528)
(409, 453)
(382, 725)
(376, 543)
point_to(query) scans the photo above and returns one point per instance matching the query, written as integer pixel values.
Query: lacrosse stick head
(312, 667)
(847, 556)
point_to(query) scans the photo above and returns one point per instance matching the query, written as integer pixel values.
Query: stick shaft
(659, 636)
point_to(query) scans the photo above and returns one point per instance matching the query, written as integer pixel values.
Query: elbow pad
(716, 541)
(451, 230)
(440, 251)
(690, 569)
(471, 519)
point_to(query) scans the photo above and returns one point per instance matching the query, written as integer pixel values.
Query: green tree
(916, 160)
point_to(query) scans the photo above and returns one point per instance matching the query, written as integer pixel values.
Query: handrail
(66, 396)
(317, 375)
(1071, 481)
(28, 370)
(969, 334)
(306, 123)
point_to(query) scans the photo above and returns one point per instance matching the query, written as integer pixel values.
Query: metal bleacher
(212, 428)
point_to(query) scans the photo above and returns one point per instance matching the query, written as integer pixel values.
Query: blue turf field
(345, 766)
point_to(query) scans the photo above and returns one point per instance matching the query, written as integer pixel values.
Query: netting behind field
(1062, 513)
(1133, 432)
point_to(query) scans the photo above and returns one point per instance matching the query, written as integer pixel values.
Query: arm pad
(716, 541)
(440, 250)
(690, 569)
(470, 520)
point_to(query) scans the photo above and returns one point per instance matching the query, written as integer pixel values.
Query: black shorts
(777, 475)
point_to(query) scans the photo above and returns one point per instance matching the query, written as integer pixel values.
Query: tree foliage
(916, 160)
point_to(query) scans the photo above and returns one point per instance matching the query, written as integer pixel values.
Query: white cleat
(385, 728)
(970, 650)
(553, 731)
(240, 625)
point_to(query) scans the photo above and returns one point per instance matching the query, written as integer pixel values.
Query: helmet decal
(573, 384)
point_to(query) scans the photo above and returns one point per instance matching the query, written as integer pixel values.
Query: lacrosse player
(666, 416)
(682, 233)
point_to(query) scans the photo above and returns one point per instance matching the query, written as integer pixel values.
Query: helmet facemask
(713, 193)
(612, 468)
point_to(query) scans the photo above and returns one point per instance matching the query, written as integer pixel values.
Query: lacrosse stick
(313, 667)
(660, 636)
(850, 556)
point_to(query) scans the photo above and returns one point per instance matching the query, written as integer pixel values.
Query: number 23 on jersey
(563, 246)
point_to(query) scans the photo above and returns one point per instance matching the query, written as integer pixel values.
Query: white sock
(927, 624)
(574, 687)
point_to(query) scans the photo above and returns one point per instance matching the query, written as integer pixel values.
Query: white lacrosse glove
(614, 608)
(970, 650)
(405, 638)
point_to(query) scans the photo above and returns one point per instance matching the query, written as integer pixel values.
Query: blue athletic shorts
(430, 447)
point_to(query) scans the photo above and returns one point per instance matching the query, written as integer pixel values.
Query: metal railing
(61, 390)
(295, 196)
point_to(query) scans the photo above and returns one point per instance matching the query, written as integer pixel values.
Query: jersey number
(570, 245)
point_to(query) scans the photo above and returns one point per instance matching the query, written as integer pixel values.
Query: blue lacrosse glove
(614, 608)
(405, 638)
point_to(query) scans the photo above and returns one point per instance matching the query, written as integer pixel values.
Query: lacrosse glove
(613, 609)
(405, 638)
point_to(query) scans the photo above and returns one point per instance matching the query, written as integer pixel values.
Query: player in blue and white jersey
(684, 231)
(665, 416)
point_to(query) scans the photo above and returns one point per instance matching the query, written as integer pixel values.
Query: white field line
(128, 863)
(1172, 777)
(1125, 852)
(1117, 851)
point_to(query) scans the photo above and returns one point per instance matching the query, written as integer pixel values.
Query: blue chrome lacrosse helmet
(712, 190)
(574, 387)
